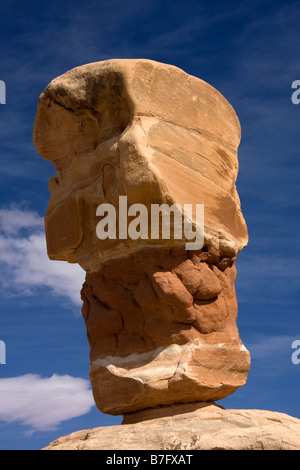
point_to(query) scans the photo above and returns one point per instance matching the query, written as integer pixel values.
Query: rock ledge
(198, 426)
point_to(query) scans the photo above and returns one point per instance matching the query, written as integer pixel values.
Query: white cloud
(14, 218)
(43, 403)
(25, 264)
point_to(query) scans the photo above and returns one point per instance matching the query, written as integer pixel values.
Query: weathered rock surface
(186, 427)
(145, 130)
(160, 317)
(162, 329)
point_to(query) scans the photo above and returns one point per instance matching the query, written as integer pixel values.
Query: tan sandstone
(190, 427)
(145, 130)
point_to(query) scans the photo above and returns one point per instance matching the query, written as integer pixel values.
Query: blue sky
(249, 51)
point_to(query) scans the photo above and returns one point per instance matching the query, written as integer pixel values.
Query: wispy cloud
(264, 347)
(25, 266)
(271, 354)
(14, 218)
(41, 404)
(269, 278)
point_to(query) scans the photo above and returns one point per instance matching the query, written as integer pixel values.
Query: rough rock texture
(160, 317)
(162, 329)
(185, 427)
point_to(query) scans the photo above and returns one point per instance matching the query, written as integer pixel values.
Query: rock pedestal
(198, 426)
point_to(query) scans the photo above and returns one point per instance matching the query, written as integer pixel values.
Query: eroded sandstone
(145, 130)
(162, 329)
(160, 318)
(199, 426)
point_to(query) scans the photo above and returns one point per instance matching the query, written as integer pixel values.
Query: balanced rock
(134, 142)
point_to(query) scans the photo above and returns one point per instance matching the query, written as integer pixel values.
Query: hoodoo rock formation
(159, 302)
(160, 317)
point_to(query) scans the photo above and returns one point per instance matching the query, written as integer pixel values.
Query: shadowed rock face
(161, 319)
